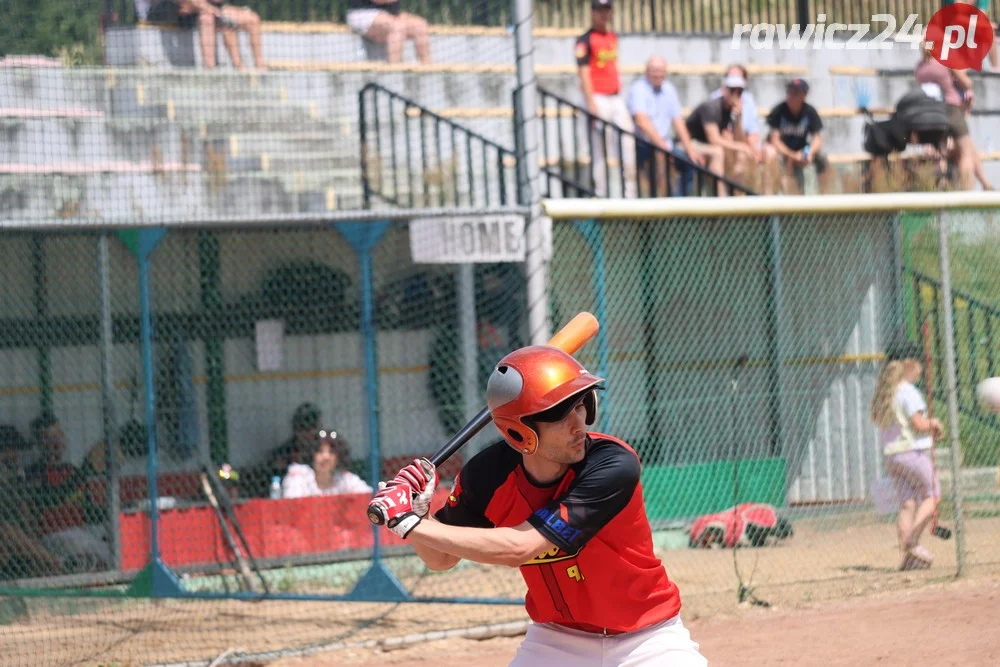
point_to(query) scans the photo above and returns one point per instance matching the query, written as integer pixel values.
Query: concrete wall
(224, 144)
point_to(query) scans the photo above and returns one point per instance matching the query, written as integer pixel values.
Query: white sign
(483, 239)
(270, 345)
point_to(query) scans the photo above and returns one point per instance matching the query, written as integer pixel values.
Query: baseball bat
(241, 562)
(230, 513)
(569, 339)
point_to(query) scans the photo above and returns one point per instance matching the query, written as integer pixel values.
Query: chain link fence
(741, 350)
(285, 371)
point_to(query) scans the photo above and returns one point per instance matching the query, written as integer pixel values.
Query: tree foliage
(51, 28)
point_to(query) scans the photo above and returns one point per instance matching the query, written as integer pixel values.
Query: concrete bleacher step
(286, 142)
(41, 141)
(118, 192)
(36, 141)
(153, 92)
(52, 88)
(278, 113)
(120, 197)
(325, 162)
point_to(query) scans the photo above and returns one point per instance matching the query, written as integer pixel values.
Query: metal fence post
(528, 190)
(951, 388)
(466, 278)
(776, 340)
(594, 235)
(378, 583)
(802, 14)
(162, 582)
(107, 402)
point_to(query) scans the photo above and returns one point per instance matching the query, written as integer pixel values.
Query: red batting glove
(394, 504)
(421, 476)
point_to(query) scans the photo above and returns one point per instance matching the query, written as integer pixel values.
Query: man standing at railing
(597, 59)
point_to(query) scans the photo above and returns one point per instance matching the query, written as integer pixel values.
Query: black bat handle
(463, 436)
(440, 456)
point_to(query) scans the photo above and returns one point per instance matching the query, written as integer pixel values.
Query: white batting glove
(394, 504)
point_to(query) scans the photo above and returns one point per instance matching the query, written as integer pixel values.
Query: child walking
(907, 436)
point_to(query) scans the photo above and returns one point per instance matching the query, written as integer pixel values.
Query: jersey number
(573, 572)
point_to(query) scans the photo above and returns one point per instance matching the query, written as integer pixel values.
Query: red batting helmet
(533, 380)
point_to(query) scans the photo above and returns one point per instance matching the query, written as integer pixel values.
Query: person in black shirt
(796, 133)
(382, 22)
(307, 421)
(717, 132)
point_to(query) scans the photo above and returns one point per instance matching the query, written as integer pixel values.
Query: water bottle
(275, 488)
(805, 152)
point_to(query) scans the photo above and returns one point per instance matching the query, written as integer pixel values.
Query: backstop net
(741, 341)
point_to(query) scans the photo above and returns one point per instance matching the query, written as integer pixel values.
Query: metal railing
(975, 346)
(413, 157)
(631, 16)
(575, 153)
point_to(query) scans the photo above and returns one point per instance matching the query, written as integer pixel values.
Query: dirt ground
(846, 560)
(943, 624)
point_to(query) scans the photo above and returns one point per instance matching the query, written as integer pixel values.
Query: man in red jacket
(564, 505)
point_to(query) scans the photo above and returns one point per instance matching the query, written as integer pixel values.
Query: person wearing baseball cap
(906, 434)
(596, 53)
(764, 153)
(796, 134)
(716, 131)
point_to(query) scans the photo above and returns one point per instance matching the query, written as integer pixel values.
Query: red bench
(273, 528)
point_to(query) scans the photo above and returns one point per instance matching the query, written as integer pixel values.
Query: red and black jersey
(599, 51)
(602, 572)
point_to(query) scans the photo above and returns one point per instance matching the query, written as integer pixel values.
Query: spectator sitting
(382, 22)
(296, 449)
(327, 475)
(763, 153)
(59, 489)
(21, 556)
(708, 125)
(656, 110)
(796, 133)
(216, 14)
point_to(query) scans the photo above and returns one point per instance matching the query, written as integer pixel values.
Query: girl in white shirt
(323, 477)
(907, 435)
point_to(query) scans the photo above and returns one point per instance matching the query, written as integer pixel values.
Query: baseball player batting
(564, 505)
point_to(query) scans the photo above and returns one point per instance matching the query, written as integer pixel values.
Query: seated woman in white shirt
(327, 475)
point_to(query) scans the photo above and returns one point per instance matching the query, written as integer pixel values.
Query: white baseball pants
(666, 644)
(612, 108)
